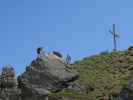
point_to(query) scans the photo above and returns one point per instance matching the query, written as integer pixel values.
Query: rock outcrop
(102, 77)
(42, 77)
(8, 84)
(127, 92)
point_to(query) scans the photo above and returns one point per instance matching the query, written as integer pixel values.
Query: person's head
(39, 49)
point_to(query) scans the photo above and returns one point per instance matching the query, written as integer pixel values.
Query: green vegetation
(41, 62)
(107, 73)
(70, 94)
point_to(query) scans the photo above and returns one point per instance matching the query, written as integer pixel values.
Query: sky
(77, 27)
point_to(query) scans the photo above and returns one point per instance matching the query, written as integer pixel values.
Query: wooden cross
(115, 36)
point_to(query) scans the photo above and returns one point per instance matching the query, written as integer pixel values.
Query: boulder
(127, 92)
(8, 84)
(44, 76)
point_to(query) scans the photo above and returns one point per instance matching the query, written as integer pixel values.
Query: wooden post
(115, 36)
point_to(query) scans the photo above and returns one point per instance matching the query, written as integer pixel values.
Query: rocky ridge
(105, 76)
(42, 77)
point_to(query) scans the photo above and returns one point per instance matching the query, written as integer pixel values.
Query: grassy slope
(107, 73)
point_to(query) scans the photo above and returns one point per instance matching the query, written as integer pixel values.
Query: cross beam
(115, 36)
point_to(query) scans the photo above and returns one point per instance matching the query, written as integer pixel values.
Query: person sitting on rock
(55, 56)
(68, 59)
(40, 52)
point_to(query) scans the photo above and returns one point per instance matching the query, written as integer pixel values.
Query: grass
(107, 72)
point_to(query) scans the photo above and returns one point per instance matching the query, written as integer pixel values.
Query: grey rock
(42, 77)
(80, 87)
(8, 84)
(127, 92)
(51, 75)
